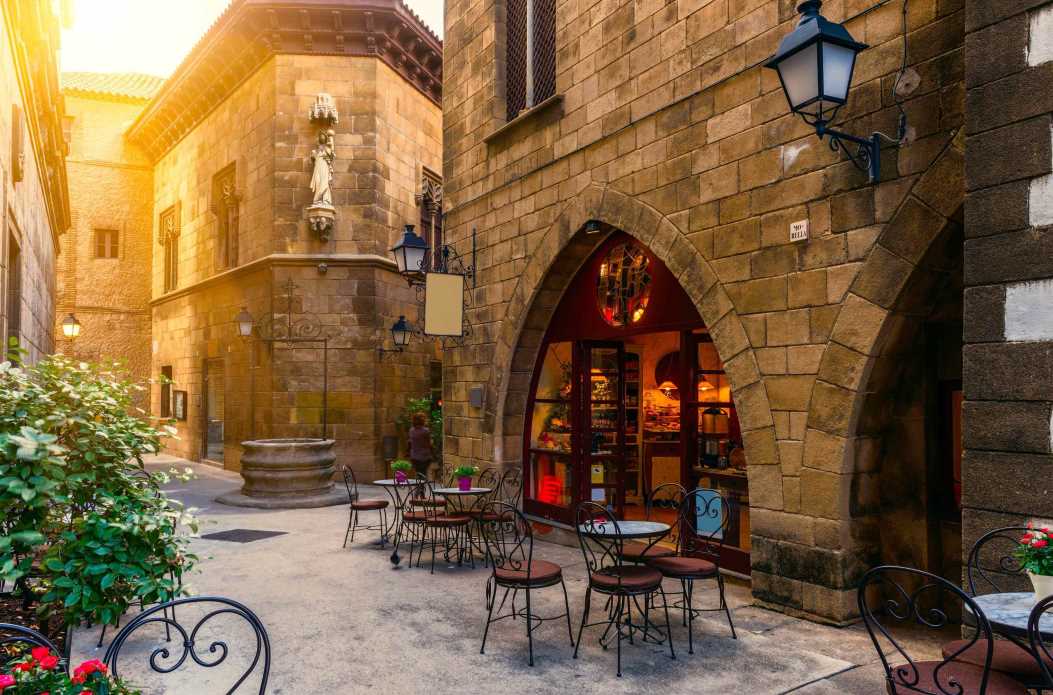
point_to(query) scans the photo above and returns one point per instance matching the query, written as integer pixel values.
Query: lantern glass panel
(415, 259)
(838, 62)
(800, 77)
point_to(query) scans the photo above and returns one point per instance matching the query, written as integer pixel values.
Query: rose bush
(1035, 552)
(84, 528)
(40, 673)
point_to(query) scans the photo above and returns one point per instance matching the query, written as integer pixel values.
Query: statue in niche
(322, 175)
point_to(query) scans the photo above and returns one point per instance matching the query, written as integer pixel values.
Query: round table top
(459, 491)
(1008, 613)
(391, 482)
(627, 529)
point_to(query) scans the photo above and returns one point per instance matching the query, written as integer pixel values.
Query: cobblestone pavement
(347, 621)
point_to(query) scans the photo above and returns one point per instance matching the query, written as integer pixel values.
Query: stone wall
(1008, 250)
(668, 128)
(346, 287)
(25, 221)
(111, 187)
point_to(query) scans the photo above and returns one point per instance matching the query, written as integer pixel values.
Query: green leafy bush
(83, 525)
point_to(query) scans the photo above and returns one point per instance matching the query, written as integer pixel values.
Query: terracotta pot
(1043, 585)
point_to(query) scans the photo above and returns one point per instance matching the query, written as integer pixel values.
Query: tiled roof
(123, 85)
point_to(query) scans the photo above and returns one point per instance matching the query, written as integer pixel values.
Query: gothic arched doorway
(628, 393)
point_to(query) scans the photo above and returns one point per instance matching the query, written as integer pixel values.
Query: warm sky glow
(153, 36)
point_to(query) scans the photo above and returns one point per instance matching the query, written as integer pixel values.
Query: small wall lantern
(70, 327)
(815, 63)
(401, 331)
(245, 323)
(410, 253)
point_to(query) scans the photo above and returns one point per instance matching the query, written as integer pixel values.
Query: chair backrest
(166, 656)
(992, 566)
(507, 536)
(702, 524)
(602, 551)
(1037, 623)
(16, 640)
(665, 501)
(512, 486)
(350, 482)
(891, 597)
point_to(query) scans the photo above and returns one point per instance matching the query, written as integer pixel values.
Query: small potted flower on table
(40, 671)
(402, 469)
(464, 476)
(1036, 556)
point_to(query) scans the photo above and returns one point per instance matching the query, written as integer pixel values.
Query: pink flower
(1040, 544)
(6, 681)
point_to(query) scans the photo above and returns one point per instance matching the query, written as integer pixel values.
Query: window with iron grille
(14, 290)
(169, 240)
(225, 206)
(106, 241)
(430, 201)
(530, 67)
(166, 392)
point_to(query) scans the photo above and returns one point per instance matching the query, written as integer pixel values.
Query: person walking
(420, 452)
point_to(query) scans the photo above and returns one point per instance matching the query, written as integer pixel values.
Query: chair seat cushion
(541, 572)
(967, 675)
(415, 517)
(633, 578)
(448, 520)
(1007, 657)
(424, 502)
(367, 505)
(683, 566)
(639, 551)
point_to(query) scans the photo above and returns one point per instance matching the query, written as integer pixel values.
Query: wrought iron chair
(15, 640)
(511, 487)
(165, 659)
(1039, 625)
(359, 505)
(509, 543)
(992, 567)
(667, 497)
(899, 596)
(624, 584)
(697, 554)
(439, 528)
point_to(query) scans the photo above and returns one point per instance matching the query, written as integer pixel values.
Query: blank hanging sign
(444, 304)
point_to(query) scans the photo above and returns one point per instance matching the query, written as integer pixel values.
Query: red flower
(90, 667)
(6, 681)
(49, 662)
(86, 692)
(77, 678)
(40, 652)
(1040, 544)
(24, 666)
(1026, 538)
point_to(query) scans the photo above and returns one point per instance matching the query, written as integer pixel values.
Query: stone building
(230, 148)
(634, 175)
(104, 272)
(34, 200)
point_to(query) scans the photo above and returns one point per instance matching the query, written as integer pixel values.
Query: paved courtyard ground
(346, 621)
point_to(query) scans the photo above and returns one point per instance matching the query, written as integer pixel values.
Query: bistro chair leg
(618, 636)
(689, 591)
(491, 597)
(584, 617)
(350, 525)
(566, 604)
(724, 605)
(530, 631)
(668, 628)
(683, 600)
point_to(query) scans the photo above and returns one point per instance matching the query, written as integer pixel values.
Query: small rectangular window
(169, 228)
(166, 392)
(106, 243)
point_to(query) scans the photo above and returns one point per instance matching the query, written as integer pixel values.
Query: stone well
(287, 474)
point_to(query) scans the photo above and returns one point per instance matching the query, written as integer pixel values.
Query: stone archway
(556, 259)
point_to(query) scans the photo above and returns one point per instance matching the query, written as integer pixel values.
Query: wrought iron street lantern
(401, 332)
(70, 327)
(815, 63)
(245, 323)
(411, 253)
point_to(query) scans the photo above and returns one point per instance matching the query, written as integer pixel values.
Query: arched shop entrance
(628, 393)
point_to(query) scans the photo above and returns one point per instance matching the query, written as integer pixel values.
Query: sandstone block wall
(669, 129)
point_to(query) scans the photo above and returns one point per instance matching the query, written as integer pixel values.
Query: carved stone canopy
(323, 111)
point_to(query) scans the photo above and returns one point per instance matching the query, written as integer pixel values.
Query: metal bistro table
(399, 492)
(1008, 614)
(465, 502)
(631, 530)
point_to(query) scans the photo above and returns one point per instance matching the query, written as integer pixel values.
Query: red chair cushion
(541, 572)
(1007, 657)
(683, 566)
(633, 578)
(368, 505)
(415, 517)
(967, 675)
(638, 551)
(448, 521)
(423, 502)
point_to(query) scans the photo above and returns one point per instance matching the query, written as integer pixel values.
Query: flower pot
(465, 484)
(1043, 585)
(400, 476)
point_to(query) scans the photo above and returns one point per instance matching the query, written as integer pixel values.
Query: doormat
(242, 535)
